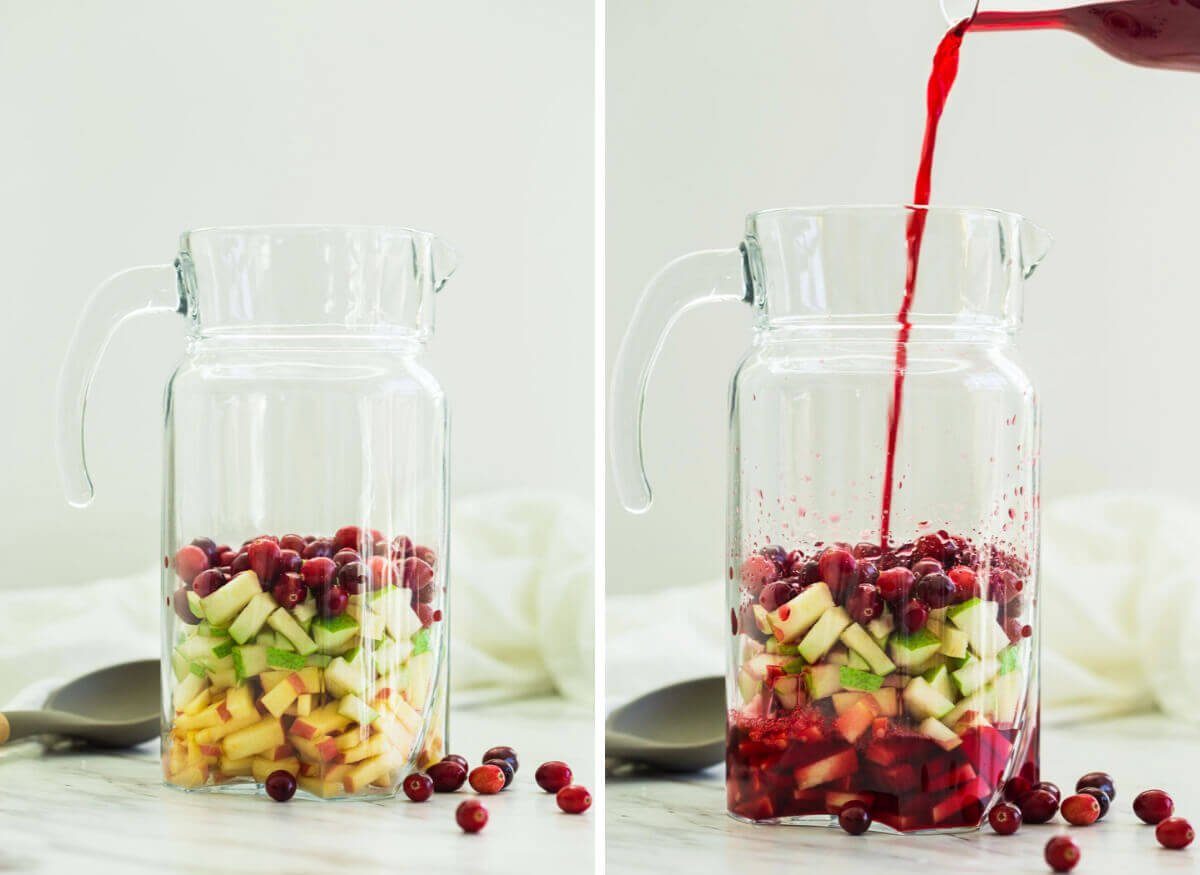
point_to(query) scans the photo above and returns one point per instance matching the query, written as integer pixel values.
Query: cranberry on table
(455, 758)
(1016, 787)
(1153, 806)
(936, 590)
(418, 787)
(1050, 787)
(189, 562)
(179, 602)
(281, 785)
(502, 752)
(574, 799)
(208, 582)
(1062, 854)
(1174, 833)
(1100, 796)
(865, 603)
(264, 560)
(471, 815)
(854, 819)
(289, 590)
(1080, 809)
(837, 568)
(318, 573)
(333, 601)
(552, 776)
(895, 584)
(1038, 806)
(504, 766)
(1005, 818)
(486, 779)
(447, 776)
(1099, 780)
(913, 616)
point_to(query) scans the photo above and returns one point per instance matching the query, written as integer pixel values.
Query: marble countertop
(109, 813)
(679, 824)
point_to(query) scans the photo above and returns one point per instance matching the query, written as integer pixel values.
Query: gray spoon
(680, 728)
(116, 706)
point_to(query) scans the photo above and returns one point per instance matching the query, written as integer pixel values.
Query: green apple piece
(1008, 694)
(939, 678)
(748, 685)
(761, 620)
(249, 660)
(223, 677)
(823, 680)
(921, 700)
(283, 623)
(825, 633)
(277, 658)
(787, 690)
(954, 642)
(861, 642)
(420, 640)
(394, 606)
(856, 661)
(343, 679)
(252, 618)
(974, 702)
(750, 648)
(977, 620)
(179, 664)
(881, 627)
(187, 689)
(373, 625)
(195, 604)
(973, 676)
(770, 646)
(938, 615)
(201, 648)
(837, 656)
(909, 651)
(416, 675)
(390, 654)
(197, 669)
(282, 643)
(759, 666)
(223, 650)
(889, 701)
(227, 602)
(1009, 659)
(353, 708)
(320, 660)
(796, 666)
(305, 611)
(854, 679)
(267, 638)
(945, 737)
(792, 620)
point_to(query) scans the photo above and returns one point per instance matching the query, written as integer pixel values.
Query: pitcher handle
(710, 275)
(132, 292)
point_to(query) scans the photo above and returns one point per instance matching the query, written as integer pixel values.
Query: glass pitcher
(304, 532)
(900, 672)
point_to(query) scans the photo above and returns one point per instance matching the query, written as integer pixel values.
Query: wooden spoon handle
(4, 729)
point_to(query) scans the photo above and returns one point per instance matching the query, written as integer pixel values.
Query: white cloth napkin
(522, 603)
(1120, 593)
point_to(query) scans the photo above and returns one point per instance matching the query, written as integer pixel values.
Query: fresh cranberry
(809, 573)
(552, 776)
(930, 547)
(179, 601)
(418, 574)
(1062, 854)
(1014, 629)
(486, 779)
(867, 573)
(289, 589)
(574, 799)
(1004, 586)
(281, 785)
(1016, 787)
(895, 585)
(854, 819)
(913, 616)
(837, 569)
(776, 554)
(427, 615)
(353, 577)
(418, 787)
(866, 550)
(333, 601)
(318, 572)
(189, 562)
(346, 556)
(292, 542)
(926, 566)
(1080, 810)
(240, 563)
(757, 572)
(778, 593)
(1005, 818)
(208, 582)
(1101, 797)
(1153, 806)
(471, 815)
(502, 752)
(936, 590)
(264, 560)
(504, 766)
(447, 776)
(382, 548)
(793, 563)
(347, 537)
(383, 572)
(290, 562)
(865, 603)
(210, 548)
(1099, 780)
(1050, 787)
(400, 548)
(322, 547)
(966, 584)
(426, 554)
(226, 558)
(1174, 833)
(1038, 806)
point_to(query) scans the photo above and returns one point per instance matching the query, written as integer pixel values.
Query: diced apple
(252, 617)
(367, 771)
(910, 651)
(822, 680)
(271, 679)
(822, 636)
(199, 703)
(942, 735)
(975, 675)
(283, 623)
(417, 675)
(954, 642)
(322, 749)
(761, 620)
(210, 716)
(860, 641)
(266, 734)
(189, 688)
(857, 718)
(236, 768)
(397, 734)
(921, 700)
(748, 685)
(1008, 694)
(213, 734)
(334, 634)
(304, 612)
(249, 660)
(224, 604)
(939, 679)
(193, 776)
(303, 704)
(343, 679)
(977, 620)
(838, 656)
(830, 768)
(263, 767)
(790, 621)
(323, 721)
(373, 746)
(279, 698)
(955, 776)
(356, 710)
(788, 691)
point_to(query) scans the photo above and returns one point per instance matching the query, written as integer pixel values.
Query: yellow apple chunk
(266, 734)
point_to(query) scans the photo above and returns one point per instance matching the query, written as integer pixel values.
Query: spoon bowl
(680, 728)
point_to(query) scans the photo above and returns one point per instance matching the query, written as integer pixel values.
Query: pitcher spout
(1035, 242)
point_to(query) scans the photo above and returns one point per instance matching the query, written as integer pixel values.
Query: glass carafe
(304, 522)
(901, 672)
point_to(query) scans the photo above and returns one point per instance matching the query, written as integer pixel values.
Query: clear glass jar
(898, 671)
(305, 623)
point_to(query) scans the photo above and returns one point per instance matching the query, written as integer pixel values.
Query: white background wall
(718, 108)
(126, 122)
